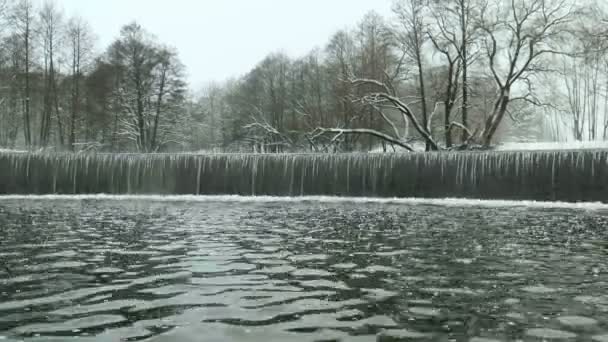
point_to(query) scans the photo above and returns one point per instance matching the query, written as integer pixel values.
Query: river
(149, 269)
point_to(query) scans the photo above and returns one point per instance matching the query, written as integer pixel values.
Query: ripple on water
(324, 283)
(244, 279)
(204, 266)
(539, 289)
(453, 291)
(423, 311)
(107, 270)
(550, 333)
(512, 301)
(400, 334)
(131, 252)
(298, 307)
(276, 270)
(203, 271)
(95, 308)
(379, 268)
(65, 296)
(167, 276)
(65, 254)
(345, 266)
(516, 316)
(379, 294)
(27, 278)
(597, 300)
(72, 325)
(309, 272)
(271, 262)
(575, 321)
(358, 276)
(392, 254)
(509, 275)
(310, 257)
(256, 256)
(57, 265)
(99, 298)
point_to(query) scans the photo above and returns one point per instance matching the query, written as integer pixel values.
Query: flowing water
(86, 269)
(571, 176)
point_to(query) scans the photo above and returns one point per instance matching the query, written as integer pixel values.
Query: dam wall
(578, 175)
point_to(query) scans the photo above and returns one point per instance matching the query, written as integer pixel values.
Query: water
(572, 176)
(284, 270)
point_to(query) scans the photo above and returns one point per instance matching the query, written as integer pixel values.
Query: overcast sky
(218, 39)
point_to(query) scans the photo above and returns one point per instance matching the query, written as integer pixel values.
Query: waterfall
(578, 175)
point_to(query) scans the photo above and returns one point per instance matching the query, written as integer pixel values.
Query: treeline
(56, 91)
(437, 73)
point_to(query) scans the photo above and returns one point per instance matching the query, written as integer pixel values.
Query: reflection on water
(192, 271)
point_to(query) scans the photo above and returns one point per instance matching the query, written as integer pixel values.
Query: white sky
(218, 39)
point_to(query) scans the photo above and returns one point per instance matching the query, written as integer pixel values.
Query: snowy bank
(536, 146)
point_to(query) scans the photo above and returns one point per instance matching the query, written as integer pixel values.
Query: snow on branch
(365, 131)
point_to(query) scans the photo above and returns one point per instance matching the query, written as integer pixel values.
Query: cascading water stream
(540, 175)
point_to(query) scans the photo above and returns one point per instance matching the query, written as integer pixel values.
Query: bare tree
(412, 37)
(585, 76)
(516, 37)
(51, 20)
(80, 42)
(455, 32)
(22, 19)
(169, 89)
(444, 43)
(136, 57)
(148, 91)
(375, 40)
(386, 98)
(341, 56)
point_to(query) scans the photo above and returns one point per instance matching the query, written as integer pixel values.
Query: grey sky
(218, 39)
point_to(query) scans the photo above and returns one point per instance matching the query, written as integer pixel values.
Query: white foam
(448, 202)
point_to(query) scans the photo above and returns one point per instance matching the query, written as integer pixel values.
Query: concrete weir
(574, 176)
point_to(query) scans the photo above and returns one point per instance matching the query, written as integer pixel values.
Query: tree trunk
(422, 91)
(26, 116)
(500, 109)
(140, 116)
(465, 69)
(45, 115)
(448, 103)
(60, 130)
(159, 103)
(75, 91)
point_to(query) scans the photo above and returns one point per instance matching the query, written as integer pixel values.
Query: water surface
(151, 270)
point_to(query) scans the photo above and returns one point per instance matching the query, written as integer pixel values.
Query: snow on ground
(527, 146)
(446, 202)
(535, 146)
(511, 146)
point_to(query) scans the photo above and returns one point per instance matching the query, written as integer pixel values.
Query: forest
(435, 75)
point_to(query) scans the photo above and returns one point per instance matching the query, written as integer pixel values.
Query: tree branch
(364, 131)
